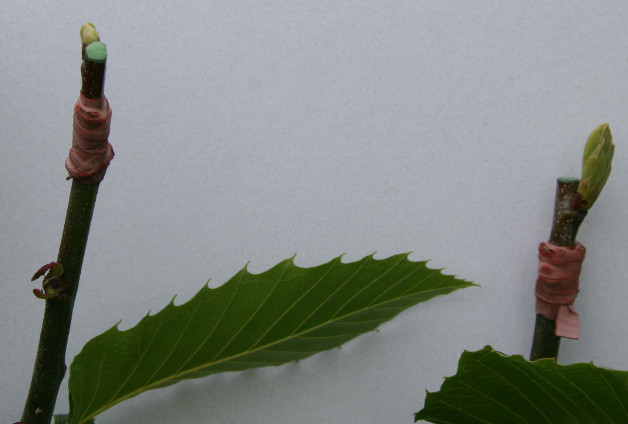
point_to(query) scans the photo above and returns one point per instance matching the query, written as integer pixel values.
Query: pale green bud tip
(89, 34)
(96, 52)
(596, 164)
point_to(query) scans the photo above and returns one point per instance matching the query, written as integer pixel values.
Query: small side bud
(596, 166)
(54, 269)
(40, 294)
(53, 285)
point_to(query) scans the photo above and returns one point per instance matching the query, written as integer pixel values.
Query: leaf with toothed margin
(63, 419)
(283, 314)
(492, 388)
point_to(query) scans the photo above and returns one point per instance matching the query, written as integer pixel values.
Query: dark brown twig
(565, 226)
(50, 367)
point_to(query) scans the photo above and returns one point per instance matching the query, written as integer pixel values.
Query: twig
(565, 226)
(50, 367)
(574, 197)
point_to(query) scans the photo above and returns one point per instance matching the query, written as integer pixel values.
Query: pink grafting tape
(557, 286)
(91, 152)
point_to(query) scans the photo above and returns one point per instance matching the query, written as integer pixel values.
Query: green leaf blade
(491, 388)
(284, 314)
(63, 419)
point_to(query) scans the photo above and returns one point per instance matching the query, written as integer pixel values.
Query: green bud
(89, 34)
(596, 165)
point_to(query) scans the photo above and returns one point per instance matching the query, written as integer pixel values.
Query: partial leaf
(63, 419)
(492, 388)
(284, 314)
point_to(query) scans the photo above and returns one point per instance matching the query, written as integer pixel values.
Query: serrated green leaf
(492, 388)
(63, 419)
(284, 314)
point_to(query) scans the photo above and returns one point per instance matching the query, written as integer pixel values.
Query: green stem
(50, 367)
(565, 226)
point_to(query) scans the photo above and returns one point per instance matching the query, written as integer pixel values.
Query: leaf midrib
(176, 377)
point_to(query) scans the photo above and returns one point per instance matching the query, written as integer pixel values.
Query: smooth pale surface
(250, 131)
(96, 52)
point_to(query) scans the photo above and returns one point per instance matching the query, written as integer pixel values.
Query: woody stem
(565, 226)
(50, 367)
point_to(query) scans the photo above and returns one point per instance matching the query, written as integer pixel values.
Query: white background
(251, 131)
